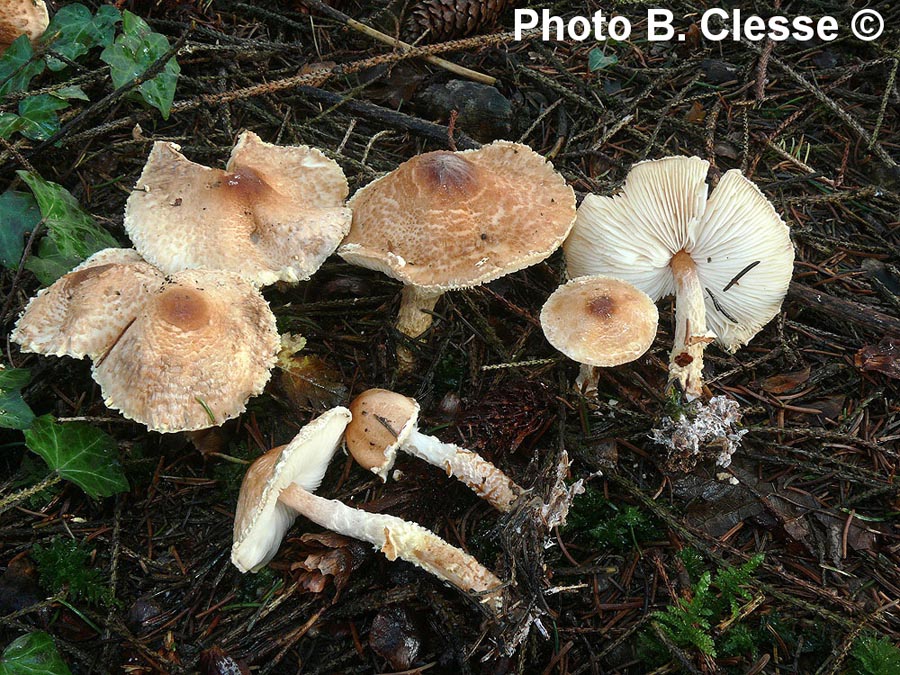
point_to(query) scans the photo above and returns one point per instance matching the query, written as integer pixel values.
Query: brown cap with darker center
(600, 321)
(198, 349)
(446, 220)
(274, 214)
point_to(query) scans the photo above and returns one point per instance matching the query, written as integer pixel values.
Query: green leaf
(597, 60)
(13, 379)
(80, 453)
(39, 117)
(19, 214)
(72, 233)
(14, 412)
(33, 654)
(73, 91)
(74, 31)
(18, 66)
(135, 50)
(49, 264)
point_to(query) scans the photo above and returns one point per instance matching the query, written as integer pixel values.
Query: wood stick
(332, 13)
(846, 310)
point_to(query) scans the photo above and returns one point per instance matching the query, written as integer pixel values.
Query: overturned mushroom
(22, 17)
(728, 259)
(274, 214)
(599, 321)
(449, 220)
(279, 486)
(385, 422)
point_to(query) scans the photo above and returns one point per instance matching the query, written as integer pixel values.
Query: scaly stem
(691, 334)
(415, 305)
(470, 468)
(397, 538)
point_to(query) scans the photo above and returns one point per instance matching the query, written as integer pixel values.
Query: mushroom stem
(397, 538)
(470, 468)
(415, 305)
(691, 334)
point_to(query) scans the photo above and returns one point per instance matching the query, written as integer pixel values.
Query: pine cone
(451, 19)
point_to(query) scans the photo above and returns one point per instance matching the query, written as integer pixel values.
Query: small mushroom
(385, 422)
(599, 321)
(728, 259)
(449, 220)
(22, 17)
(85, 311)
(274, 214)
(279, 486)
(198, 349)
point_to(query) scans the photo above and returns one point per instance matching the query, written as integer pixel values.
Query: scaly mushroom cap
(22, 17)
(201, 345)
(85, 311)
(447, 220)
(275, 214)
(741, 247)
(382, 421)
(261, 521)
(600, 321)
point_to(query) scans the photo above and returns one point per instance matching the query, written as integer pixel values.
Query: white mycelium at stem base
(691, 335)
(385, 422)
(397, 538)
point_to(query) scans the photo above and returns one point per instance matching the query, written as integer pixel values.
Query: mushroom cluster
(178, 332)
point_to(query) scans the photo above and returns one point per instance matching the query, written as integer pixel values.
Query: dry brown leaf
(785, 382)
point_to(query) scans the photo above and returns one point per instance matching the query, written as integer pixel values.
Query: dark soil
(815, 125)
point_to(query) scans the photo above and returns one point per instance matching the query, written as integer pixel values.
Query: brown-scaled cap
(382, 421)
(201, 345)
(85, 311)
(274, 214)
(600, 321)
(22, 17)
(447, 220)
(260, 520)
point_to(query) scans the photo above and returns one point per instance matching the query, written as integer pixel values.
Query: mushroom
(280, 484)
(85, 311)
(728, 259)
(385, 422)
(599, 321)
(449, 220)
(274, 214)
(22, 17)
(200, 345)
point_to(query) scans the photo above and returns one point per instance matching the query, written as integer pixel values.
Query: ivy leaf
(49, 264)
(39, 117)
(135, 50)
(597, 60)
(14, 412)
(18, 66)
(72, 233)
(33, 654)
(80, 453)
(19, 214)
(74, 31)
(73, 91)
